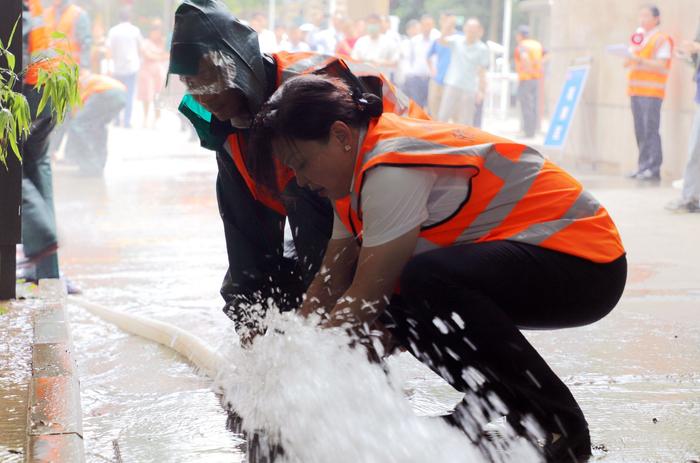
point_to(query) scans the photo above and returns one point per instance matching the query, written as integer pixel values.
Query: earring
(347, 147)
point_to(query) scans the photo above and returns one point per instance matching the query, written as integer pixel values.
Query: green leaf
(10, 60)
(14, 28)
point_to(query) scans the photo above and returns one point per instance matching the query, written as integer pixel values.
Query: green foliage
(58, 87)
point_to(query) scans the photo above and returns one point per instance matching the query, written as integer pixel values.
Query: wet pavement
(147, 239)
(15, 376)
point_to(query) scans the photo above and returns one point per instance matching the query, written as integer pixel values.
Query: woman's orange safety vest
(69, 44)
(647, 80)
(515, 193)
(293, 64)
(535, 54)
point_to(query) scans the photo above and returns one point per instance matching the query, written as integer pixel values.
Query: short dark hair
(524, 30)
(305, 108)
(125, 14)
(654, 10)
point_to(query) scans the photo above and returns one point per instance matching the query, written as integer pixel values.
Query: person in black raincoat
(228, 79)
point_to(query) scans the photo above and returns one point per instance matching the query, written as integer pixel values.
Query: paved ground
(147, 239)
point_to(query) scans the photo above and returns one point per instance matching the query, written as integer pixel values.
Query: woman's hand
(333, 278)
(378, 270)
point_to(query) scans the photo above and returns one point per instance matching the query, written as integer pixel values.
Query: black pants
(647, 119)
(38, 215)
(528, 95)
(463, 306)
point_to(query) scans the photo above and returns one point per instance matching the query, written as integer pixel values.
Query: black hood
(202, 26)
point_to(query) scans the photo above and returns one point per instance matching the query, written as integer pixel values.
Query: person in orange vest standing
(74, 23)
(39, 237)
(454, 240)
(528, 57)
(649, 67)
(87, 135)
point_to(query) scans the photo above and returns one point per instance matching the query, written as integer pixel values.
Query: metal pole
(10, 178)
(271, 14)
(331, 8)
(505, 71)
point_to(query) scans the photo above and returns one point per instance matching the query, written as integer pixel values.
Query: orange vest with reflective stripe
(97, 83)
(515, 193)
(65, 25)
(40, 53)
(535, 53)
(645, 80)
(294, 64)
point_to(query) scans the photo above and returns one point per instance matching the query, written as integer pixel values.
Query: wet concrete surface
(147, 239)
(15, 377)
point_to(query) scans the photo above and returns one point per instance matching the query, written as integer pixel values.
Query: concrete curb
(54, 424)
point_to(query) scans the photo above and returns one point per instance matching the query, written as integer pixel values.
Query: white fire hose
(186, 344)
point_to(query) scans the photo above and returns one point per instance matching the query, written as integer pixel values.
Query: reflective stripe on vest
(293, 64)
(233, 148)
(646, 80)
(65, 25)
(515, 193)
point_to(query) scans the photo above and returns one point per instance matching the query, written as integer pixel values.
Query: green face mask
(373, 29)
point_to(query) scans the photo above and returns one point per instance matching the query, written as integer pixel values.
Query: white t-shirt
(267, 41)
(395, 200)
(419, 48)
(124, 41)
(382, 49)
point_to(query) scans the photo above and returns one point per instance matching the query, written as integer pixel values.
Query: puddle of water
(147, 398)
(15, 373)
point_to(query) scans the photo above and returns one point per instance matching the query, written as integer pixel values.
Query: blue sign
(566, 106)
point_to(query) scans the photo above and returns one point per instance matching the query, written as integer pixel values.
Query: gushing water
(326, 402)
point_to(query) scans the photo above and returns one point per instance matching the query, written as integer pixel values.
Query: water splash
(326, 402)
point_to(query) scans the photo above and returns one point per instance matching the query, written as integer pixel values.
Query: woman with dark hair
(455, 240)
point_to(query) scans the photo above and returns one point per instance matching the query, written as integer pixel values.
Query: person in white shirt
(648, 66)
(295, 41)
(376, 48)
(266, 38)
(124, 42)
(465, 80)
(406, 54)
(418, 75)
(326, 40)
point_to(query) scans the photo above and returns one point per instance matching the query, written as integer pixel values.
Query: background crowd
(442, 62)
